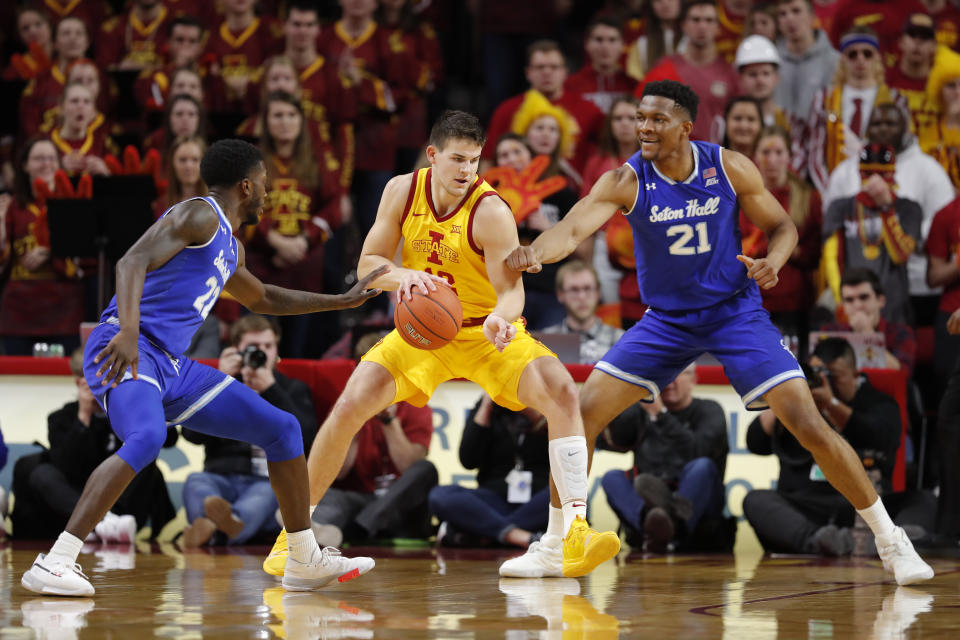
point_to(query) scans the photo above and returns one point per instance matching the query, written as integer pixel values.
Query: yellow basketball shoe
(584, 549)
(276, 560)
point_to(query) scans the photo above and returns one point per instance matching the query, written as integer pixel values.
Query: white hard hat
(756, 49)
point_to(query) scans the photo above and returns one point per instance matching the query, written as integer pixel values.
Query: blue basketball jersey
(686, 235)
(178, 296)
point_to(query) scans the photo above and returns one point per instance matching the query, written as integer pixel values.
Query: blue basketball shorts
(737, 332)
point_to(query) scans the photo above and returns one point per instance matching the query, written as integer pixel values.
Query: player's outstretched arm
(278, 301)
(495, 233)
(380, 245)
(763, 210)
(615, 190)
(190, 223)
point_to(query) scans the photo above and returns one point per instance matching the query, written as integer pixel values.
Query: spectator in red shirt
(549, 131)
(301, 211)
(42, 300)
(382, 488)
(918, 46)
(546, 72)
(661, 37)
(731, 22)
(943, 270)
(33, 28)
(43, 92)
(184, 117)
(182, 165)
(91, 13)
(947, 16)
(762, 21)
(426, 64)
(885, 18)
(618, 141)
(792, 299)
(700, 66)
(183, 49)
(279, 74)
(188, 82)
(82, 143)
(742, 122)
(863, 301)
(135, 40)
(602, 79)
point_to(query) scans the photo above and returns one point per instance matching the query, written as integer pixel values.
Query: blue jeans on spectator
(251, 497)
(699, 481)
(483, 512)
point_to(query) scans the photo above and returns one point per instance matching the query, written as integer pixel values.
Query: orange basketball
(429, 321)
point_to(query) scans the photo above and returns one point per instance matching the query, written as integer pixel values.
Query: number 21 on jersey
(685, 232)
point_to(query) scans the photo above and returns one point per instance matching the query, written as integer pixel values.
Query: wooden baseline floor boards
(160, 592)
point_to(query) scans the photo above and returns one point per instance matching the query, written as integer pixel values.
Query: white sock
(554, 533)
(568, 466)
(67, 546)
(878, 519)
(302, 544)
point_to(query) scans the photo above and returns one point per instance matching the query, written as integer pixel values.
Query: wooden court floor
(160, 592)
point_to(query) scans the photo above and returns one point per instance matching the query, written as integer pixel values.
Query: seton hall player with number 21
(167, 282)
(682, 199)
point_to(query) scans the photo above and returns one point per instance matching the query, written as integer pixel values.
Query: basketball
(429, 321)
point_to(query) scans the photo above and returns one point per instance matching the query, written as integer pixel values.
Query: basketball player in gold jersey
(457, 232)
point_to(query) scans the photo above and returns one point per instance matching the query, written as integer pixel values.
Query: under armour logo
(651, 186)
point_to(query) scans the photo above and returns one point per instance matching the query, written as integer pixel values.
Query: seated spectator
(661, 37)
(578, 289)
(301, 210)
(943, 270)
(549, 131)
(863, 302)
(188, 82)
(183, 51)
(33, 30)
(701, 66)
(384, 483)
(885, 19)
(542, 308)
(42, 300)
(805, 514)
(510, 504)
(90, 13)
(48, 484)
(182, 165)
(918, 177)
(43, 92)
(878, 229)
(82, 144)
(618, 141)
(793, 297)
(758, 64)
(680, 448)
(939, 133)
(184, 117)
(231, 501)
(742, 122)
(279, 75)
(602, 79)
(546, 72)
(136, 39)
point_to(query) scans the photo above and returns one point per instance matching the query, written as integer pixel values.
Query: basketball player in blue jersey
(682, 199)
(166, 285)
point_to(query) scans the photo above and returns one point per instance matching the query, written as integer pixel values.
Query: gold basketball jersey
(444, 246)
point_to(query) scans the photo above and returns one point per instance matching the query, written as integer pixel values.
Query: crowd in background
(850, 110)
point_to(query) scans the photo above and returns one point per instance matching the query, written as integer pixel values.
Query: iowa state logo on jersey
(439, 252)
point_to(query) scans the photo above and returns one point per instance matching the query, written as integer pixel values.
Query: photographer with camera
(231, 500)
(804, 514)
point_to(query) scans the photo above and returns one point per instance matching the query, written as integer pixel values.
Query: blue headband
(858, 38)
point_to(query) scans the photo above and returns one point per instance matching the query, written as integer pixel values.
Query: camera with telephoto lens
(254, 357)
(813, 374)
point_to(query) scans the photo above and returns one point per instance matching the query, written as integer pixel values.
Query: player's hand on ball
(761, 271)
(524, 258)
(361, 291)
(120, 354)
(498, 331)
(423, 281)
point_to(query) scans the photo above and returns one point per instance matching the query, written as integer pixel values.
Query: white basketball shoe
(900, 558)
(56, 576)
(542, 560)
(326, 565)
